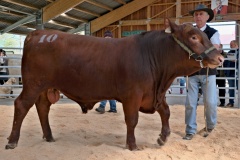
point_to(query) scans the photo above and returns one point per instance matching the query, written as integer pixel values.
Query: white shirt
(2, 61)
(215, 39)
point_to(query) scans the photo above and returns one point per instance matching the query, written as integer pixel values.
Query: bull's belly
(147, 105)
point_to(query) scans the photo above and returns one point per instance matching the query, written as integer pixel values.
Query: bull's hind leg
(164, 114)
(43, 107)
(22, 104)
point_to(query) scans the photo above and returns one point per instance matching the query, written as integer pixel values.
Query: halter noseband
(192, 54)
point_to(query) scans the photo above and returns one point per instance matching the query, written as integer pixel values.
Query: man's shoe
(188, 136)
(229, 105)
(209, 130)
(221, 105)
(112, 111)
(100, 110)
(170, 91)
(181, 91)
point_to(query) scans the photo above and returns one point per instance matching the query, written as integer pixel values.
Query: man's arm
(215, 39)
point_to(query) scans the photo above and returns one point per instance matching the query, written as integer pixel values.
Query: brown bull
(136, 71)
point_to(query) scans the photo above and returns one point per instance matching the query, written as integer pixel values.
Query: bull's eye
(194, 37)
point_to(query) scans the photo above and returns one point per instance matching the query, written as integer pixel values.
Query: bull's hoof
(132, 148)
(160, 141)
(51, 139)
(11, 146)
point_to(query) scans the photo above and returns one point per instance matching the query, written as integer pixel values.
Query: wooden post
(148, 18)
(119, 30)
(178, 11)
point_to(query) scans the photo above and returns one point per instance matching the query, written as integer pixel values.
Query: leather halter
(192, 54)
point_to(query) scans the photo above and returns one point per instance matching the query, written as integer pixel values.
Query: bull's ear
(170, 27)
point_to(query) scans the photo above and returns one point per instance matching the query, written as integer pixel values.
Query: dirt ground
(96, 136)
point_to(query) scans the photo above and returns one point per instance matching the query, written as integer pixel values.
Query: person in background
(4, 62)
(222, 82)
(201, 16)
(182, 84)
(231, 73)
(101, 108)
(220, 8)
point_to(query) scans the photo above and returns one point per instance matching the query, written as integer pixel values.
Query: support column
(39, 21)
(87, 29)
(178, 11)
(148, 18)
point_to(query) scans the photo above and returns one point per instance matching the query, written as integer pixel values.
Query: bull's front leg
(164, 113)
(21, 109)
(131, 119)
(43, 107)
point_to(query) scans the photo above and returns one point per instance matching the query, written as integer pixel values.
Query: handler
(201, 16)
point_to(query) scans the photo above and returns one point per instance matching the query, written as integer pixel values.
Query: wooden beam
(228, 17)
(61, 24)
(99, 4)
(20, 3)
(24, 26)
(163, 11)
(11, 13)
(74, 18)
(10, 9)
(58, 7)
(225, 18)
(121, 1)
(140, 22)
(162, 4)
(83, 10)
(200, 1)
(159, 3)
(86, 11)
(118, 14)
(236, 4)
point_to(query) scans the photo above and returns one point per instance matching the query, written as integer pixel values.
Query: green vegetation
(12, 41)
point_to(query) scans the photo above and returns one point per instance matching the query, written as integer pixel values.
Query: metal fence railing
(18, 85)
(235, 78)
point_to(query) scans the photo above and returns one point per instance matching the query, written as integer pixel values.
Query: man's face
(200, 18)
(233, 45)
(218, 2)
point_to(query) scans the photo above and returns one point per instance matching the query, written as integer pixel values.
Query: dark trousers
(221, 93)
(3, 79)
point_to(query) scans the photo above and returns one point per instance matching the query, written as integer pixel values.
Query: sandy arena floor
(102, 136)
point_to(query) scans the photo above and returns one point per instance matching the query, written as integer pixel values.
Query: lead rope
(205, 107)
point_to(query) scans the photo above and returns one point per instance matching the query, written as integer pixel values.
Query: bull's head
(196, 43)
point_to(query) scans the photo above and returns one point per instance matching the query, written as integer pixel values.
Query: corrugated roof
(15, 16)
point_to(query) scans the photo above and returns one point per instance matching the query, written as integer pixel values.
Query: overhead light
(31, 28)
(3, 10)
(63, 14)
(68, 10)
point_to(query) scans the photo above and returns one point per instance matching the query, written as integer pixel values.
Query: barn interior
(93, 17)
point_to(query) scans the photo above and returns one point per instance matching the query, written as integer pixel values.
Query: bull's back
(65, 61)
